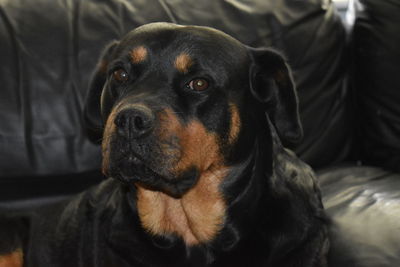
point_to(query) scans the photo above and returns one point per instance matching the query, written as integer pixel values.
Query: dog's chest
(197, 217)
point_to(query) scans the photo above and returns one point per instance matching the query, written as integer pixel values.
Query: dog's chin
(134, 171)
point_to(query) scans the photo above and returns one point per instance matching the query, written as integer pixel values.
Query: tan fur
(199, 214)
(197, 217)
(107, 135)
(14, 259)
(198, 147)
(138, 54)
(235, 124)
(183, 62)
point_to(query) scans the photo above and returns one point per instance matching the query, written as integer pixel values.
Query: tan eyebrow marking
(183, 62)
(138, 54)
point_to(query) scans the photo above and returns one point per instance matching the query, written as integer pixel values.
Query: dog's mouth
(132, 168)
(131, 165)
(170, 159)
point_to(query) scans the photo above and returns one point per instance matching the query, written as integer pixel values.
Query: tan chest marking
(197, 217)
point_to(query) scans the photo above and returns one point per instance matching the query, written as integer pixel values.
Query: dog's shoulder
(86, 207)
(297, 182)
(298, 224)
(295, 171)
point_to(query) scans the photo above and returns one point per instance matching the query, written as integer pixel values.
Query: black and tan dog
(193, 122)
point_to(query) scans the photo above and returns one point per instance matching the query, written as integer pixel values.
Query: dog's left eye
(198, 84)
(120, 75)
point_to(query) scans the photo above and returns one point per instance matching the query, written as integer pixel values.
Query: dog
(194, 127)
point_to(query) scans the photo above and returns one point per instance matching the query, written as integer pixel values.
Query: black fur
(274, 216)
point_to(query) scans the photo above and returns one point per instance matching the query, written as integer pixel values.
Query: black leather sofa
(347, 78)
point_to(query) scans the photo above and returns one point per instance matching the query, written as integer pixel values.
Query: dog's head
(176, 101)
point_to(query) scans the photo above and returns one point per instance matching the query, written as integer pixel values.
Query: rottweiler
(194, 127)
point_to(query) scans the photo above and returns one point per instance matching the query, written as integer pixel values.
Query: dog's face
(179, 101)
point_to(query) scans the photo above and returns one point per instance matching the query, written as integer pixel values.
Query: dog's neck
(199, 216)
(196, 217)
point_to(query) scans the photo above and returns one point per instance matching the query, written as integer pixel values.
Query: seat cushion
(364, 204)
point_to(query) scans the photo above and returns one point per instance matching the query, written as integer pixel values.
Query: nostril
(139, 123)
(120, 121)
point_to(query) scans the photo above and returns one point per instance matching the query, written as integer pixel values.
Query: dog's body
(193, 122)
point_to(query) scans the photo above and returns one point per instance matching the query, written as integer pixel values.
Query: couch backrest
(49, 48)
(376, 42)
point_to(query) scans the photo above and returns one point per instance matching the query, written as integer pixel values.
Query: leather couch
(346, 74)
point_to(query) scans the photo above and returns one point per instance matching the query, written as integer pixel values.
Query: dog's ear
(92, 110)
(272, 84)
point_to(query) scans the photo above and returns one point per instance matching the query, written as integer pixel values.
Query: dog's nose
(134, 122)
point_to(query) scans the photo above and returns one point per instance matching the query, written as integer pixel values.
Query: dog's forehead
(183, 43)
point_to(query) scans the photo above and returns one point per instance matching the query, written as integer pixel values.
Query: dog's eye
(120, 75)
(198, 84)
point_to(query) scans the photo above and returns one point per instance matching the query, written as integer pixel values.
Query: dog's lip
(138, 163)
(135, 159)
(132, 157)
(133, 169)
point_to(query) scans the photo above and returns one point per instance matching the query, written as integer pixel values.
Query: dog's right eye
(120, 75)
(198, 84)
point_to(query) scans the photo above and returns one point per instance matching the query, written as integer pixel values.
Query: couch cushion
(364, 204)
